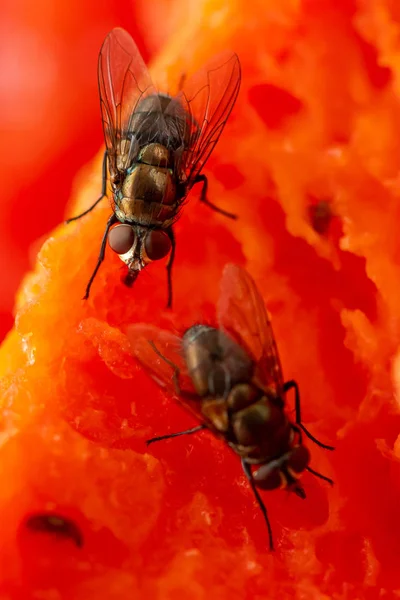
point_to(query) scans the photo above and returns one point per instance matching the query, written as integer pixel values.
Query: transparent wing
(242, 314)
(124, 85)
(159, 352)
(207, 99)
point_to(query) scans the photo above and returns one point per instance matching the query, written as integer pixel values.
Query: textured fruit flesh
(309, 163)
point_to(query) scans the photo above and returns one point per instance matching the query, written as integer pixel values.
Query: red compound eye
(121, 238)
(157, 245)
(299, 459)
(268, 477)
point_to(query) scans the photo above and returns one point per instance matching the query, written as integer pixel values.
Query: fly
(156, 148)
(230, 378)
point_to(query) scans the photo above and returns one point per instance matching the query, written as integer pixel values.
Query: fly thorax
(128, 149)
(120, 209)
(209, 375)
(219, 380)
(198, 357)
(215, 362)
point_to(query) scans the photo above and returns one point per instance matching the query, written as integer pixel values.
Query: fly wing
(207, 99)
(242, 314)
(124, 84)
(160, 354)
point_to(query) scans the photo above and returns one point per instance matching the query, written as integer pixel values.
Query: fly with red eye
(230, 378)
(156, 148)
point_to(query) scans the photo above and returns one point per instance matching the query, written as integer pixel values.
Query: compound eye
(156, 245)
(121, 238)
(268, 478)
(298, 460)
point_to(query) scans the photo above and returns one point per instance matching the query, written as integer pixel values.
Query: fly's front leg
(288, 386)
(309, 469)
(203, 198)
(170, 263)
(113, 219)
(247, 471)
(103, 192)
(168, 436)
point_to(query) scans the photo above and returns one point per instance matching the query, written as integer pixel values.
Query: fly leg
(249, 475)
(203, 197)
(309, 469)
(292, 484)
(175, 376)
(292, 384)
(168, 436)
(113, 219)
(320, 476)
(103, 192)
(170, 263)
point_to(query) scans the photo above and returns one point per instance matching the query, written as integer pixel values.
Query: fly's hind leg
(103, 192)
(288, 386)
(203, 198)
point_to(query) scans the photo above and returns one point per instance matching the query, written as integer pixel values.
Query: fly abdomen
(156, 155)
(241, 396)
(148, 196)
(258, 424)
(150, 184)
(259, 428)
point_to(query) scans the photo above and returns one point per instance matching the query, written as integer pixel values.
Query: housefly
(156, 148)
(231, 379)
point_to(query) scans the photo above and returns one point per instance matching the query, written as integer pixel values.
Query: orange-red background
(320, 96)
